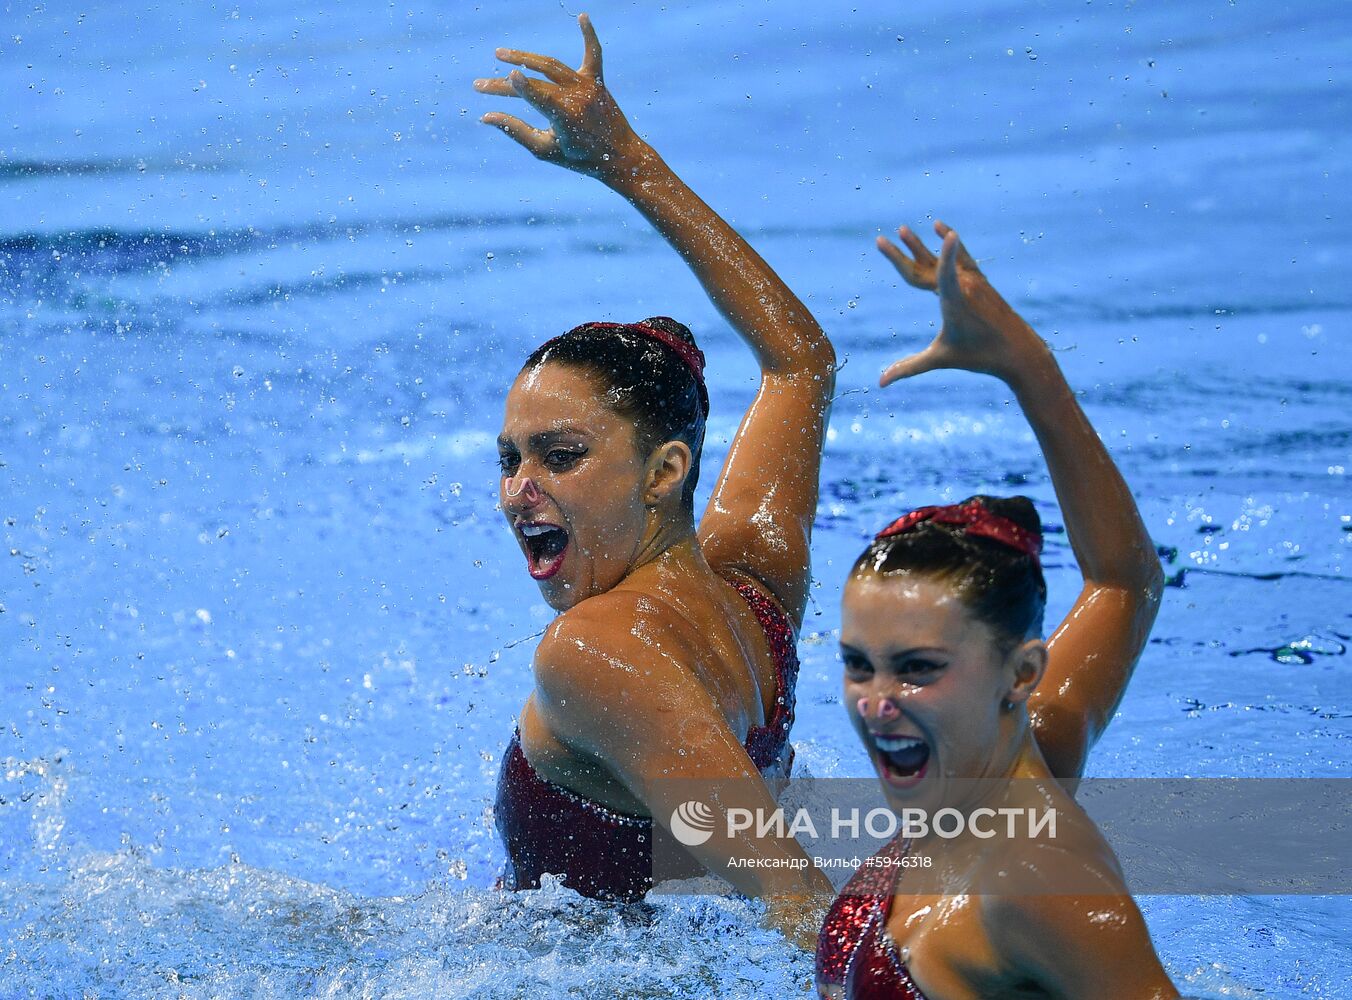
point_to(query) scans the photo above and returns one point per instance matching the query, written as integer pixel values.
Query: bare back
(695, 631)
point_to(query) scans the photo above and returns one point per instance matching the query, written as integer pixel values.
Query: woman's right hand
(980, 332)
(588, 132)
(799, 917)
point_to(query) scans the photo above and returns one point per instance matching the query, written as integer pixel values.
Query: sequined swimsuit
(606, 854)
(854, 948)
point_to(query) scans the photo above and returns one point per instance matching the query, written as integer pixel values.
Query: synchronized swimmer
(962, 706)
(673, 653)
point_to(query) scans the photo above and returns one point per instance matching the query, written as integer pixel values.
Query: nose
(521, 492)
(885, 708)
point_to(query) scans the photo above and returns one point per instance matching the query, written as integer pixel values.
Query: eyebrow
(543, 439)
(845, 647)
(916, 651)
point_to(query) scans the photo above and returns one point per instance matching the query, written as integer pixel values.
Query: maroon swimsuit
(605, 854)
(854, 948)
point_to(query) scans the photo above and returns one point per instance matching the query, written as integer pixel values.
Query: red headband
(975, 519)
(691, 356)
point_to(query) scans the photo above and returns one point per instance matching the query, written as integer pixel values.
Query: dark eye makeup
(916, 665)
(562, 458)
(553, 459)
(909, 666)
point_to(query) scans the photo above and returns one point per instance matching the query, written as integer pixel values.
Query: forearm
(747, 847)
(773, 869)
(1105, 529)
(778, 327)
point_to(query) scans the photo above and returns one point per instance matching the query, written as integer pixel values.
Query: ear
(668, 466)
(1027, 663)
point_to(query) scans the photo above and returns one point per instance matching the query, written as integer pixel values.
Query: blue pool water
(264, 279)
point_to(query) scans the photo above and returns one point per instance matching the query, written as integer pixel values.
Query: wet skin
(631, 568)
(918, 664)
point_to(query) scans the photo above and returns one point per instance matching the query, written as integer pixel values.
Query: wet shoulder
(1029, 880)
(614, 631)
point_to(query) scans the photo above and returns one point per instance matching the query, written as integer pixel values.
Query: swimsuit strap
(868, 892)
(854, 948)
(876, 970)
(765, 743)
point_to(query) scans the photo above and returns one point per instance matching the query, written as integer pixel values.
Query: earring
(1007, 705)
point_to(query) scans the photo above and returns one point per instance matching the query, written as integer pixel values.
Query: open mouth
(903, 759)
(546, 545)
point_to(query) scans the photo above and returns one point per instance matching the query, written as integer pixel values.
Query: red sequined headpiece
(975, 519)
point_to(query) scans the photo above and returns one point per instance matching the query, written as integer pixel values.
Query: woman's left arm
(1094, 649)
(759, 519)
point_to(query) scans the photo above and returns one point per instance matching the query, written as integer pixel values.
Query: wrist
(1031, 368)
(630, 169)
(1039, 383)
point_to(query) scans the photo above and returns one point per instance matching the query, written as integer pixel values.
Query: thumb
(538, 141)
(913, 364)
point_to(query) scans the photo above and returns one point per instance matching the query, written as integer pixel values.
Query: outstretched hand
(588, 131)
(980, 332)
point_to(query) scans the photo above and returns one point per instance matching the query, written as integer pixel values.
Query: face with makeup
(931, 692)
(575, 488)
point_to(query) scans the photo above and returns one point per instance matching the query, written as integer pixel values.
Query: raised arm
(759, 518)
(1094, 650)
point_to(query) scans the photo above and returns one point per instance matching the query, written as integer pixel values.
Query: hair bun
(1018, 509)
(672, 327)
(678, 339)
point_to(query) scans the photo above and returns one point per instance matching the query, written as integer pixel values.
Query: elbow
(1141, 578)
(1152, 582)
(813, 362)
(1141, 592)
(815, 356)
(814, 353)
(824, 354)
(821, 363)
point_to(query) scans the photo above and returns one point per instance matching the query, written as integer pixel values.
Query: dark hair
(642, 379)
(1000, 585)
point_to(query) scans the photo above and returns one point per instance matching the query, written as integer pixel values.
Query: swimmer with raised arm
(962, 705)
(673, 652)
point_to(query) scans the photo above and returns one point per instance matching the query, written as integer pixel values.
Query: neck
(669, 536)
(1011, 780)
